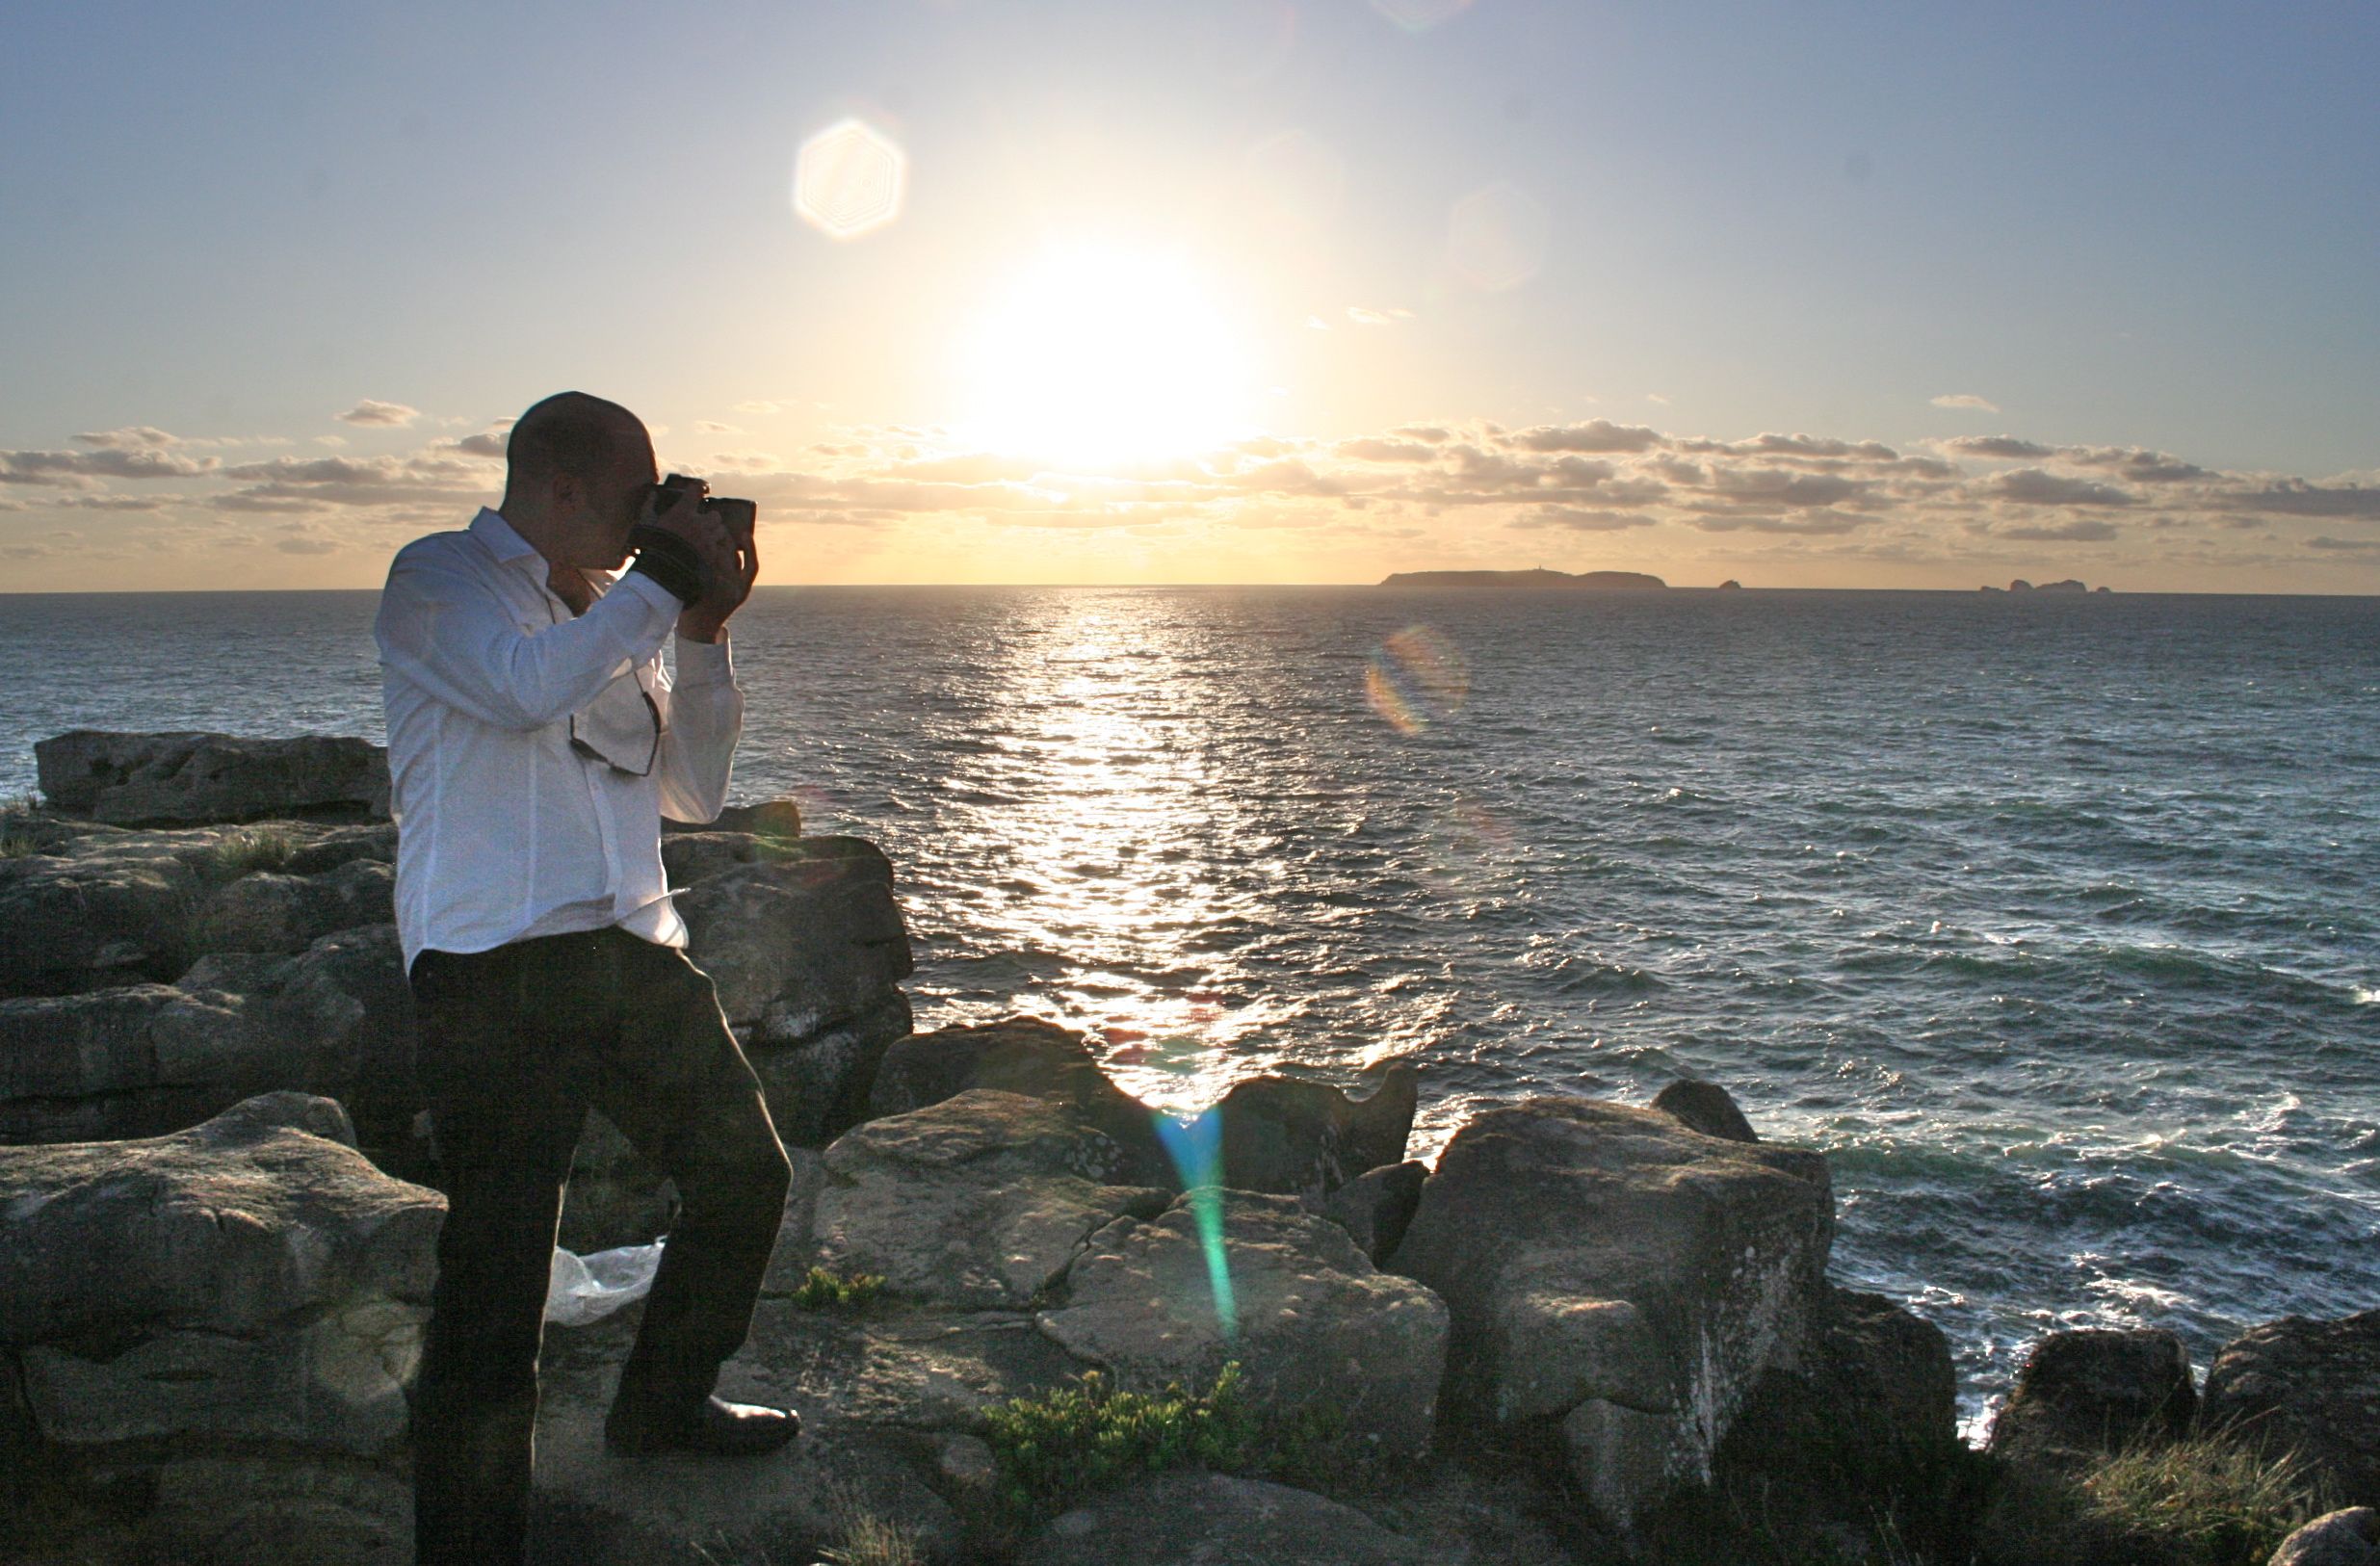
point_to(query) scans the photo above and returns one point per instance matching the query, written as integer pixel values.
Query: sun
(1097, 353)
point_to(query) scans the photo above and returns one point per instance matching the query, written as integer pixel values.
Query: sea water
(2048, 919)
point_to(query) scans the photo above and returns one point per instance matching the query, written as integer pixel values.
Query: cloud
(2326, 541)
(2081, 529)
(2034, 486)
(1594, 436)
(2136, 465)
(132, 437)
(1580, 519)
(79, 469)
(2295, 497)
(1965, 400)
(488, 443)
(1374, 450)
(2007, 446)
(1812, 523)
(759, 406)
(385, 414)
(334, 441)
(1366, 317)
(712, 427)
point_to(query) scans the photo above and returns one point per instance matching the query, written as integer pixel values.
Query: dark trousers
(516, 1044)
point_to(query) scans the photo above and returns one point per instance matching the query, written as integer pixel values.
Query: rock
(1376, 1207)
(1179, 1519)
(765, 818)
(251, 1278)
(1704, 1107)
(979, 1202)
(688, 855)
(139, 1060)
(1032, 1057)
(1618, 1275)
(1305, 1313)
(1886, 1366)
(807, 954)
(1287, 1135)
(267, 911)
(2309, 1386)
(2083, 1394)
(2341, 1538)
(1731, 584)
(86, 920)
(1275, 1134)
(137, 779)
(344, 1001)
(597, 1508)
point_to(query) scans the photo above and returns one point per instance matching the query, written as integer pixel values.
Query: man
(535, 740)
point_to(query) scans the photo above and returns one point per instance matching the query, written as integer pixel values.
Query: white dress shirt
(505, 830)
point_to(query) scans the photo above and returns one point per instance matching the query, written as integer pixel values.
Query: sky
(1213, 291)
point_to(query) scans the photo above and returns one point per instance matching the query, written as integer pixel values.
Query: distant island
(1596, 581)
(2019, 584)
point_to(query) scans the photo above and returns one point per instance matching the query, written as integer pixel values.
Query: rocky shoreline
(1592, 1332)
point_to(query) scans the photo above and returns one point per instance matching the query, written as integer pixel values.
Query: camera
(668, 558)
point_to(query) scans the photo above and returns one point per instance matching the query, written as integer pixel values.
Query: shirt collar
(492, 530)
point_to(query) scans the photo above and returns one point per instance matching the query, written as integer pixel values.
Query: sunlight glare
(848, 179)
(1103, 354)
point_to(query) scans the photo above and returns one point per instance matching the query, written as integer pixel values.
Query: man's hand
(730, 566)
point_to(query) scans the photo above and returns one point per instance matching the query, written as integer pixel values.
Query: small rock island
(1592, 581)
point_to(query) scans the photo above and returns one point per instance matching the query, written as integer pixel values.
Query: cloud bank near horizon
(1409, 496)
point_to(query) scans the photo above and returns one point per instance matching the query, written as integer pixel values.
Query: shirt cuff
(705, 663)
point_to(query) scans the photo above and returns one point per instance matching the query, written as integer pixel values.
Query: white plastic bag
(584, 1288)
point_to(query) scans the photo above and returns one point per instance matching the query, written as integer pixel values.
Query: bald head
(577, 467)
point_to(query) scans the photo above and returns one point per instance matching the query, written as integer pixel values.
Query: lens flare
(1417, 678)
(1419, 15)
(1496, 237)
(1196, 1147)
(848, 179)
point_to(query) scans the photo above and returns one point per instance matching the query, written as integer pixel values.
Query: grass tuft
(1055, 1450)
(823, 1291)
(868, 1538)
(20, 835)
(2208, 1500)
(253, 848)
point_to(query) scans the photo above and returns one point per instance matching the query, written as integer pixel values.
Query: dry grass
(253, 848)
(2209, 1501)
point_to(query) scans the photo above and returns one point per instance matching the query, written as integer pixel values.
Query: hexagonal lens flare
(850, 179)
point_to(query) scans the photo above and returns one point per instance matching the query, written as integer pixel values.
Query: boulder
(2308, 1386)
(2341, 1538)
(807, 952)
(1176, 1518)
(765, 818)
(253, 1278)
(1617, 1275)
(1704, 1107)
(344, 1001)
(1233, 1275)
(1289, 1135)
(979, 1202)
(1376, 1207)
(2083, 1394)
(139, 779)
(1029, 1056)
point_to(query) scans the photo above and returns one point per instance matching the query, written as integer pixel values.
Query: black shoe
(712, 1426)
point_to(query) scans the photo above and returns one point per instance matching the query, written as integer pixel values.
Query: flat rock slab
(979, 1202)
(254, 1276)
(1215, 1520)
(133, 779)
(2308, 1386)
(1235, 1275)
(1609, 1269)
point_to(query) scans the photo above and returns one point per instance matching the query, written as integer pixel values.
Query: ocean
(2048, 919)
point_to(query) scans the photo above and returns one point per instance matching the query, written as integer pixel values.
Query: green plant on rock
(253, 848)
(1053, 1450)
(823, 1291)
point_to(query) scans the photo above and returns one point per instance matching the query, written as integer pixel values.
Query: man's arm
(704, 711)
(443, 626)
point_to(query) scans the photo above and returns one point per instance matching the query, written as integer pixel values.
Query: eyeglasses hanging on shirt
(621, 727)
